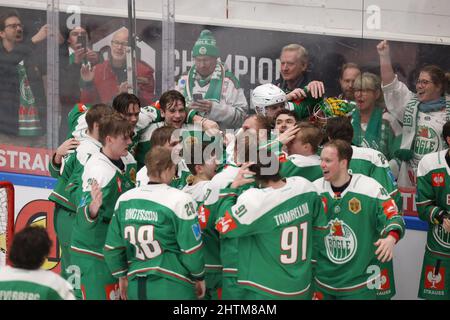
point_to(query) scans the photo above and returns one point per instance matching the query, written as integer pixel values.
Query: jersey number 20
(289, 242)
(146, 247)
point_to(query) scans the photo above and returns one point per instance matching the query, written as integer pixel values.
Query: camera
(82, 39)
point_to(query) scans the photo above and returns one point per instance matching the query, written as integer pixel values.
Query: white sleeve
(396, 96)
(232, 108)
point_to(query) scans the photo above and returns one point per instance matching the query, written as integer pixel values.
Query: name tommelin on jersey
(141, 214)
(291, 215)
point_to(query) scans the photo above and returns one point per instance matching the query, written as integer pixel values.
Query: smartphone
(197, 96)
(82, 39)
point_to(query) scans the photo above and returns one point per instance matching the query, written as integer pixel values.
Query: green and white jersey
(155, 231)
(88, 146)
(88, 237)
(433, 196)
(372, 163)
(199, 192)
(22, 284)
(301, 166)
(70, 171)
(362, 214)
(178, 182)
(226, 257)
(276, 229)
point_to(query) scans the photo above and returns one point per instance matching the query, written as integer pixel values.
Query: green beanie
(205, 45)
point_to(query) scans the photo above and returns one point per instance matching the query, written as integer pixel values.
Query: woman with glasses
(422, 114)
(373, 126)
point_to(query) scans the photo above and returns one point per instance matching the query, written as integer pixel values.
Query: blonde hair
(157, 160)
(369, 81)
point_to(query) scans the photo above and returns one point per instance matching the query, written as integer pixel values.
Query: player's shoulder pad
(432, 161)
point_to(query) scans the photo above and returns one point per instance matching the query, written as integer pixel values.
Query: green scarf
(29, 123)
(372, 136)
(215, 81)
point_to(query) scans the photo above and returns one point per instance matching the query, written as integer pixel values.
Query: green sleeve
(115, 249)
(227, 224)
(388, 216)
(426, 205)
(190, 116)
(84, 220)
(190, 242)
(54, 168)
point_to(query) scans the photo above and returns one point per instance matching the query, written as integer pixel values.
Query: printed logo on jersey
(433, 280)
(390, 208)
(112, 291)
(203, 216)
(119, 184)
(438, 179)
(427, 141)
(448, 199)
(441, 236)
(197, 231)
(354, 205)
(226, 224)
(385, 281)
(341, 242)
(83, 201)
(282, 157)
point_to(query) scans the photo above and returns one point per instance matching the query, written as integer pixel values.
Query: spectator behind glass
(294, 63)
(108, 79)
(72, 54)
(373, 126)
(210, 89)
(25, 280)
(349, 72)
(16, 68)
(423, 114)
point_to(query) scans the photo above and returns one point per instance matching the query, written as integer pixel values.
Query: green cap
(205, 45)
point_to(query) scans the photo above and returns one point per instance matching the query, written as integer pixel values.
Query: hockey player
(203, 167)
(154, 243)
(302, 159)
(285, 119)
(107, 174)
(364, 225)
(168, 137)
(268, 100)
(434, 207)
(174, 113)
(25, 280)
(275, 225)
(67, 166)
(374, 164)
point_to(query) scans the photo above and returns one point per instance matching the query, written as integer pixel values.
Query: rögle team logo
(341, 242)
(438, 179)
(441, 236)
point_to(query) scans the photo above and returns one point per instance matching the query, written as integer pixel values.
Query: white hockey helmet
(266, 95)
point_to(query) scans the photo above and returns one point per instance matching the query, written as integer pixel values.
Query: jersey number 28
(146, 246)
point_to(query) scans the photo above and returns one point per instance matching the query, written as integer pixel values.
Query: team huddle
(163, 202)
